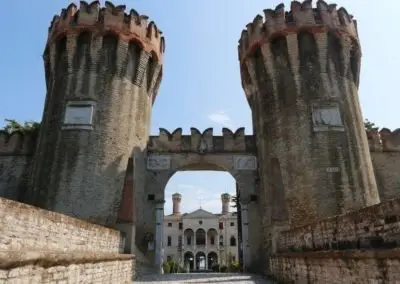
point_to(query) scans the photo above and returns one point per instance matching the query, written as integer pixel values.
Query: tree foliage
(369, 125)
(235, 201)
(13, 126)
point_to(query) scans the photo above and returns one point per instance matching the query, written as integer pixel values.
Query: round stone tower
(226, 199)
(176, 203)
(103, 69)
(300, 72)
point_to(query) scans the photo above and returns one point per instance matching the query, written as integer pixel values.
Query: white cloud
(221, 117)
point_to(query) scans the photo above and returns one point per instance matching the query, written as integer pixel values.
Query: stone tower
(225, 199)
(176, 203)
(103, 69)
(300, 72)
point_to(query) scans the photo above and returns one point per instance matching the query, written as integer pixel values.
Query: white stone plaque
(158, 162)
(333, 169)
(327, 115)
(245, 163)
(79, 114)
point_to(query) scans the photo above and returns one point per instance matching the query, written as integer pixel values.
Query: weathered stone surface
(374, 227)
(24, 227)
(110, 64)
(337, 267)
(38, 268)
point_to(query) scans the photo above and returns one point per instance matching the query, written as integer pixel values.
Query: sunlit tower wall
(300, 71)
(103, 70)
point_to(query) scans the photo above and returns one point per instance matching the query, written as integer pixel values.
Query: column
(245, 236)
(159, 253)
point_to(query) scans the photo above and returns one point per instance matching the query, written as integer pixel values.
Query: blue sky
(201, 85)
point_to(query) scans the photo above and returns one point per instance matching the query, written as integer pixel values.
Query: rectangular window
(79, 115)
(221, 240)
(221, 225)
(232, 224)
(189, 240)
(180, 226)
(169, 224)
(327, 117)
(169, 241)
(212, 240)
(169, 258)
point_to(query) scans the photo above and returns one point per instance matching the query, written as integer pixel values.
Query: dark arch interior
(334, 51)
(355, 62)
(110, 46)
(133, 59)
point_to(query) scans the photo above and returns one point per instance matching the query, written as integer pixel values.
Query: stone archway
(201, 261)
(189, 261)
(168, 153)
(212, 259)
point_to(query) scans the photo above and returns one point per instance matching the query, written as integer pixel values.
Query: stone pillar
(245, 237)
(159, 253)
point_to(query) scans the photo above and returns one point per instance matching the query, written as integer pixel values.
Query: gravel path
(216, 278)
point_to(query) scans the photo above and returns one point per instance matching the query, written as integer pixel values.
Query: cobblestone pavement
(216, 278)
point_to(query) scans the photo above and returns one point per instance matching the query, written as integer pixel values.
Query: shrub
(234, 266)
(224, 268)
(215, 267)
(172, 267)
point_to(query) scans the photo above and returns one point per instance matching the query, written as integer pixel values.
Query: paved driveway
(216, 278)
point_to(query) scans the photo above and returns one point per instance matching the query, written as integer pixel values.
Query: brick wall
(27, 227)
(14, 171)
(38, 267)
(372, 227)
(337, 267)
(16, 156)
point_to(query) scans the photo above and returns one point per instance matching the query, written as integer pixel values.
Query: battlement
(91, 17)
(302, 16)
(17, 143)
(384, 140)
(201, 142)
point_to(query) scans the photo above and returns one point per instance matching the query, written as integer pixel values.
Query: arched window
(200, 237)
(233, 241)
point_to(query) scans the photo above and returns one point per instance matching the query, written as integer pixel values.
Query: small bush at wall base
(172, 267)
(234, 266)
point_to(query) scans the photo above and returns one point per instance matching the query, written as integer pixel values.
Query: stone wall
(385, 153)
(37, 267)
(26, 227)
(48, 247)
(16, 156)
(337, 267)
(372, 227)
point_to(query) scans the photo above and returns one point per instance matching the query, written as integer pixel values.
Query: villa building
(201, 239)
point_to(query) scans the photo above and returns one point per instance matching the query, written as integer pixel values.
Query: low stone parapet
(25, 227)
(56, 267)
(373, 227)
(356, 267)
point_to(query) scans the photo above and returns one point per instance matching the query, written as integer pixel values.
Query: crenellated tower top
(301, 17)
(108, 19)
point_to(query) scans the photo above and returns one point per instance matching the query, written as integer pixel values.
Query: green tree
(13, 125)
(369, 125)
(235, 201)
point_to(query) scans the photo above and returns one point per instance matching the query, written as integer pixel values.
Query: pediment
(199, 214)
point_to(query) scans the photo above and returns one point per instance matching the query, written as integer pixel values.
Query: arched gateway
(168, 153)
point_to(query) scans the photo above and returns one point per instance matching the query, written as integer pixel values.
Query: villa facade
(200, 239)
